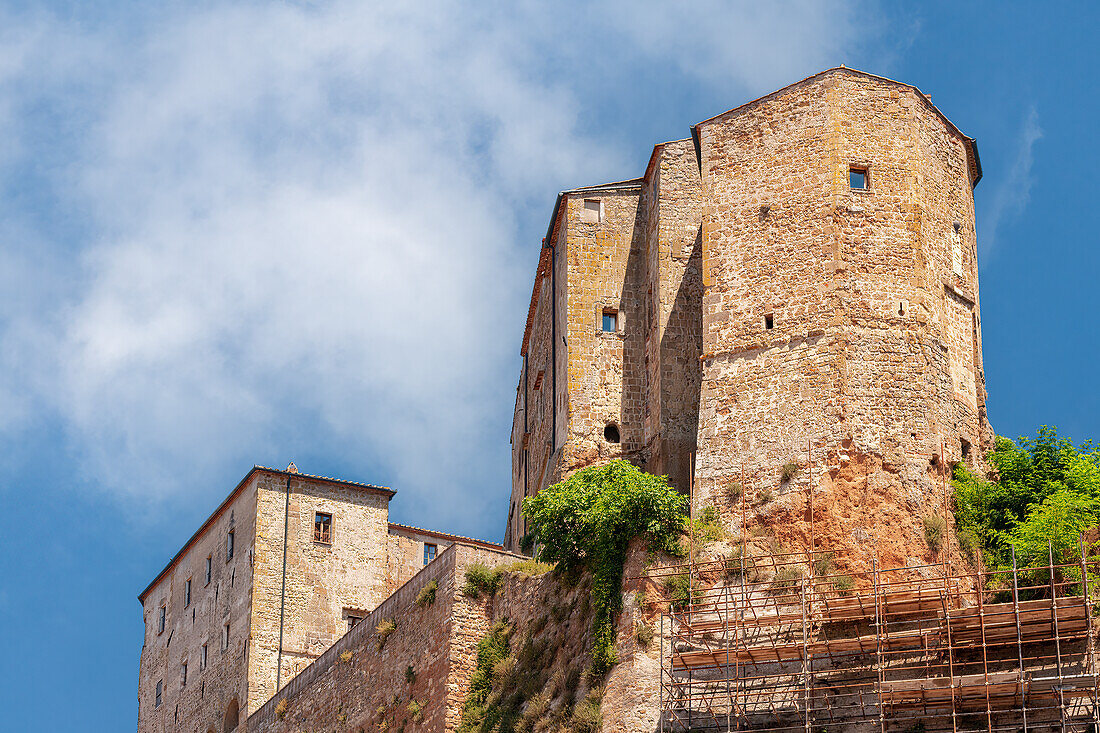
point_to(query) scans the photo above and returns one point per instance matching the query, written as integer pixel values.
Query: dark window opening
(769, 321)
(187, 593)
(901, 308)
(352, 620)
(160, 688)
(610, 321)
(183, 674)
(202, 657)
(225, 637)
(162, 617)
(429, 553)
(964, 445)
(229, 546)
(322, 528)
(209, 569)
(857, 178)
(611, 433)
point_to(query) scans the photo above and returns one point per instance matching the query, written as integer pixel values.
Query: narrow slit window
(858, 178)
(160, 689)
(209, 569)
(225, 636)
(187, 593)
(229, 546)
(322, 528)
(610, 321)
(202, 656)
(769, 321)
(183, 674)
(162, 617)
(429, 553)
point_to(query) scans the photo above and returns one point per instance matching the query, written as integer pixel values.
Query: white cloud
(1014, 191)
(277, 229)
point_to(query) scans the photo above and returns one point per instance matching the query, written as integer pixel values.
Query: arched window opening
(232, 717)
(611, 433)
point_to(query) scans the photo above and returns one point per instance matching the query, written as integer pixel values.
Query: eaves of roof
(387, 492)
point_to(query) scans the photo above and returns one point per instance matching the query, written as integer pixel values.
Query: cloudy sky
(239, 233)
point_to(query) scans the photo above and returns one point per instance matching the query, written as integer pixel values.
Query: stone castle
(786, 301)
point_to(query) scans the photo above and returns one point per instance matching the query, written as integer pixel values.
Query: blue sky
(262, 232)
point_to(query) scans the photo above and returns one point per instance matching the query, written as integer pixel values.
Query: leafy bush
(1028, 472)
(823, 563)
(785, 581)
(678, 590)
(492, 648)
(383, 630)
(707, 527)
(481, 580)
(844, 584)
(530, 567)
(588, 520)
(415, 710)
(935, 531)
(426, 596)
(586, 716)
(345, 656)
(280, 709)
(788, 471)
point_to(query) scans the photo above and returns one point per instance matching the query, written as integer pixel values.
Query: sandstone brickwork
(782, 328)
(286, 594)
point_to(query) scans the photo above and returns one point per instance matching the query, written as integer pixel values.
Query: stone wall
(362, 680)
(835, 337)
(325, 582)
(202, 703)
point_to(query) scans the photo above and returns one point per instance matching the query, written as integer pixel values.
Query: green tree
(587, 521)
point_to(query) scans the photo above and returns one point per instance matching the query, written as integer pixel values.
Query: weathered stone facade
(744, 318)
(284, 603)
(772, 315)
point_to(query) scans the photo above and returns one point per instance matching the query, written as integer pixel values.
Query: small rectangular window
(857, 178)
(769, 321)
(229, 546)
(209, 568)
(183, 674)
(352, 620)
(225, 636)
(187, 593)
(160, 688)
(592, 213)
(162, 618)
(202, 657)
(322, 528)
(610, 321)
(429, 553)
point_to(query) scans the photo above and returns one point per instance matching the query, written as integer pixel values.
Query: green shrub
(481, 580)
(734, 490)
(383, 630)
(823, 563)
(492, 648)
(678, 589)
(587, 521)
(415, 710)
(586, 715)
(935, 530)
(530, 567)
(844, 584)
(788, 471)
(644, 635)
(426, 596)
(765, 496)
(785, 581)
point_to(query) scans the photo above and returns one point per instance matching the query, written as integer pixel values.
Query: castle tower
(841, 328)
(790, 296)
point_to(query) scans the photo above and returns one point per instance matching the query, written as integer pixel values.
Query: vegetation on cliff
(587, 520)
(1047, 490)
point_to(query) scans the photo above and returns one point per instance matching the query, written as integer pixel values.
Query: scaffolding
(771, 645)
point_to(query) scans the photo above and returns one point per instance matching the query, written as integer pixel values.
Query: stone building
(788, 297)
(284, 567)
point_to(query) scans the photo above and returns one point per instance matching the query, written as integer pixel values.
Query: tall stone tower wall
(840, 324)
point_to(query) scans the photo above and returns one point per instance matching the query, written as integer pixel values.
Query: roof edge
(447, 536)
(233, 495)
